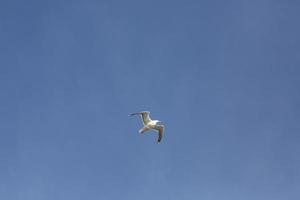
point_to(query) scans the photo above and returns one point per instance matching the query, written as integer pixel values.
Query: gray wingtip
(131, 114)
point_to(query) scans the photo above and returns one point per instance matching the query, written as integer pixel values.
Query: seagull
(150, 124)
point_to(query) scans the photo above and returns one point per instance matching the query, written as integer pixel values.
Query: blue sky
(223, 77)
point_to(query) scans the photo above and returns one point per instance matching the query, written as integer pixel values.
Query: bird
(149, 124)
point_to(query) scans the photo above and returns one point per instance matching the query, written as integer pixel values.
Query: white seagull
(150, 124)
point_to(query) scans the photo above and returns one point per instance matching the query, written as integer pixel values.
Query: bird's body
(150, 124)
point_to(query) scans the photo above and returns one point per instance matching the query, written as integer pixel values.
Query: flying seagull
(150, 124)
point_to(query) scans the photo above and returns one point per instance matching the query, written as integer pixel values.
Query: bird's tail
(144, 129)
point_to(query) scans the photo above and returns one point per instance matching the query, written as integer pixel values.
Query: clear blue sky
(222, 75)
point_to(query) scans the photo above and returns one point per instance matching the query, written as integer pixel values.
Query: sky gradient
(222, 75)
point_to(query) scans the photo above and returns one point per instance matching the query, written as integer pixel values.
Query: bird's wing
(131, 114)
(145, 116)
(160, 129)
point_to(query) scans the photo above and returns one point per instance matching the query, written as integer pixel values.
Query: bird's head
(159, 122)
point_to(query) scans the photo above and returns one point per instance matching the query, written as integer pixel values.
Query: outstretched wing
(145, 116)
(160, 129)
